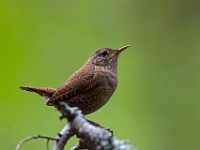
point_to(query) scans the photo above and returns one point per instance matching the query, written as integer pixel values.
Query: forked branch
(91, 135)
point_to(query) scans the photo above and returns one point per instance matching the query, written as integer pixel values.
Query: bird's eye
(104, 53)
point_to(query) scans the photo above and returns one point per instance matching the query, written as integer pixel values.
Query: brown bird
(90, 87)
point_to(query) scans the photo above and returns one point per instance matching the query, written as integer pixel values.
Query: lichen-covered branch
(91, 135)
(63, 137)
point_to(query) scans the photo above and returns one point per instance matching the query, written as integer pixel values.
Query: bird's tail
(44, 92)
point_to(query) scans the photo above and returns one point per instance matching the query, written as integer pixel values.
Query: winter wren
(90, 87)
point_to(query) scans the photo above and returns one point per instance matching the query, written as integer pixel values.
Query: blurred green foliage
(157, 103)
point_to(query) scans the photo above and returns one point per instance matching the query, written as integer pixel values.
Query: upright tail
(44, 92)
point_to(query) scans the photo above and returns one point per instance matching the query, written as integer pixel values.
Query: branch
(91, 135)
(63, 137)
(35, 137)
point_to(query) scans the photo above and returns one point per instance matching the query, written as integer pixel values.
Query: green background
(157, 102)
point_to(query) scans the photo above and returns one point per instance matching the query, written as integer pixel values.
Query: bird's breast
(103, 91)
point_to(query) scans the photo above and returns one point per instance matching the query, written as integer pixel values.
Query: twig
(34, 137)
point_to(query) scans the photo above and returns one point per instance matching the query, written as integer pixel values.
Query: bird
(90, 87)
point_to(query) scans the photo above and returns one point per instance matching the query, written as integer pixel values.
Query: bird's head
(106, 56)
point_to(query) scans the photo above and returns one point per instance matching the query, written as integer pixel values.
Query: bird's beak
(118, 51)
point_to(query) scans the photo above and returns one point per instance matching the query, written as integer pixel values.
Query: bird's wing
(77, 84)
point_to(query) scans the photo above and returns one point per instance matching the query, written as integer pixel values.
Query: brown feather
(74, 86)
